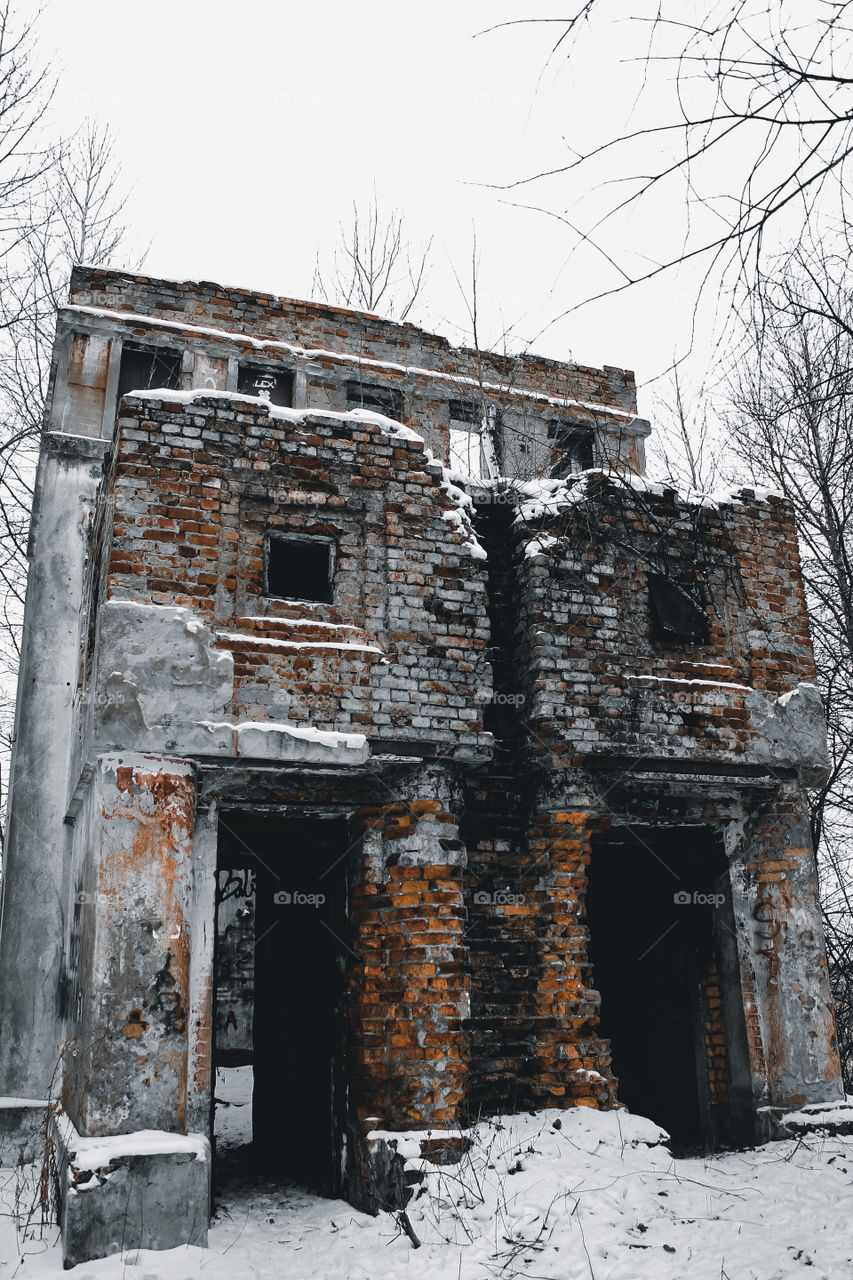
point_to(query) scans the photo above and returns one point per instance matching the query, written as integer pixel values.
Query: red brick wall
(401, 652)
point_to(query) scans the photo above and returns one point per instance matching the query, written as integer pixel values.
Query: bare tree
(374, 266)
(25, 92)
(757, 137)
(791, 422)
(688, 452)
(72, 213)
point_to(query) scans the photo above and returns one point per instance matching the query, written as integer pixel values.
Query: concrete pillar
(201, 1030)
(787, 998)
(35, 893)
(130, 1065)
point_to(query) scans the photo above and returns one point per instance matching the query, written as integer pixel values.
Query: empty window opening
(676, 612)
(664, 960)
(381, 399)
(144, 368)
(574, 448)
(471, 451)
(467, 456)
(299, 568)
(273, 384)
(280, 1043)
(466, 411)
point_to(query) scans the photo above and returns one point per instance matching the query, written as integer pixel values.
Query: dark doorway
(297, 1043)
(663, 954)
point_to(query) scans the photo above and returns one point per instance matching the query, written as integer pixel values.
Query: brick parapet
(338, 330)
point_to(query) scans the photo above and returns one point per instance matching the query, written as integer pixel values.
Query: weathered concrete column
(128, 1063)
(788, 1003)
(201, 1030)
(131, 1059)
(35, 890)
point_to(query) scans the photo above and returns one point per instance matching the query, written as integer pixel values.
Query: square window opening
(467, 455)
(268, 382)
(574, 449)
(143, 368)
(677, 611)
(380, 399)
(299, 568)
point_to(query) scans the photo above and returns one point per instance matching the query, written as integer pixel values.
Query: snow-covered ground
(568, 1195)
(233, 1115)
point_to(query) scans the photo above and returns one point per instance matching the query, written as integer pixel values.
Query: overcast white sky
(247, 129)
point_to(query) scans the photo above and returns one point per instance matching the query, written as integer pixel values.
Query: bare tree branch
(72, 212)
(374, 267)
(763, 128)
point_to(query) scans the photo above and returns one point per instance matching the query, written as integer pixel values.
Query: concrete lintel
(61, 444)
(257, 740)
(694, 771)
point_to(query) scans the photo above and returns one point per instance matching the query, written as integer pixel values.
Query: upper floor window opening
(143, 368)
(574, 448)
(677, 611)
(378, 397)
(472, 451)
(267, 381)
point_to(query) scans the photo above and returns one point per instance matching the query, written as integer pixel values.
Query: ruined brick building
(426, 797)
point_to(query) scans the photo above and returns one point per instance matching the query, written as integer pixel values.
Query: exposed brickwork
(451, 735)
(597, 681)
(194, 495)
(328, 353)
(339, 331)
(716, 1049)
(409, 992)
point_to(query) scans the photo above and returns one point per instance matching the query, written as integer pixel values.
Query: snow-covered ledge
(143, 1190)
(270, 740)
